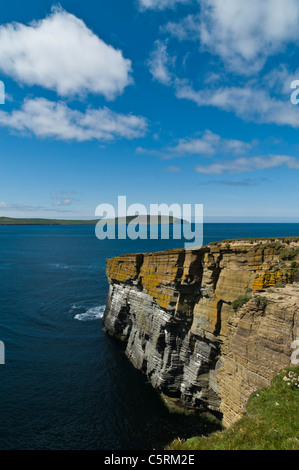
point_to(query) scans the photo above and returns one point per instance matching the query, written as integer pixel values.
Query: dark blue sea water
(65, 384)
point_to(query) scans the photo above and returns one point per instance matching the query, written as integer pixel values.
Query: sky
(161, 101)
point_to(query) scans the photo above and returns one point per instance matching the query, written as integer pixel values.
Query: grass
(270, 422)
(270, 242)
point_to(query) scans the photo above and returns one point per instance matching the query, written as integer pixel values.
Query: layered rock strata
(174, 310)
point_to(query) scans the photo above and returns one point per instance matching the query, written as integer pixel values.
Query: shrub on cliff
(275, 245)
(288, 254)
(240, 301)
(261, 302)
(280, 285)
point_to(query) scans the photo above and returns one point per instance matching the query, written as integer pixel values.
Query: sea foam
(94, 313)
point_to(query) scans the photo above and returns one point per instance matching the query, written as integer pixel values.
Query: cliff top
(277, 243)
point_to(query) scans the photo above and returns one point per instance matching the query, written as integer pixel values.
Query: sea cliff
(187, 328)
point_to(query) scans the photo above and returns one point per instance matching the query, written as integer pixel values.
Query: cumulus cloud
(159, 4)
(242, 33)
(55, 120)
(60, 53)
(247, 164)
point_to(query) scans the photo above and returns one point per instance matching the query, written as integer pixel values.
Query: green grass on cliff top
(270, 422)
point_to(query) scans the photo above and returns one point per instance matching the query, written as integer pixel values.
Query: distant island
(143, 219)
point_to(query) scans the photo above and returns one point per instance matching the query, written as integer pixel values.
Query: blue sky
(164, 101)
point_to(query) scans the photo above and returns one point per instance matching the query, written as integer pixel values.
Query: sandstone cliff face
(174, 310)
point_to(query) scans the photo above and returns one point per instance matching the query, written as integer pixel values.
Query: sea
(65, 385)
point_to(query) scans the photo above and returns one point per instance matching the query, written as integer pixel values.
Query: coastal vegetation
(270, 420)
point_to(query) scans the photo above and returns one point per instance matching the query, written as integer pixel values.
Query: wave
(60, 266)
(93, 313)
(76, 267)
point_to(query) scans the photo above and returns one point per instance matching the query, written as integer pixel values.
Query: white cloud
(160, 63)
(17, 207)
(159, 4)
(208, 145)
(247, 164)
(60, 53)
(64, 192)
(186, 29)
(242, 32)
(66, 201)
(173, 169)
(48, 119)
(144, 151)
(249, 103)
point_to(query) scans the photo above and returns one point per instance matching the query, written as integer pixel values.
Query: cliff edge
(207, 325)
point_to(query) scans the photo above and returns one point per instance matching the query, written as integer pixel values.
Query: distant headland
(161, 220)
